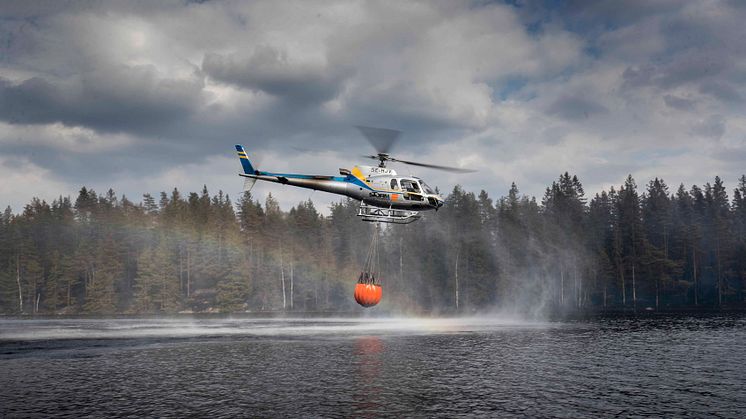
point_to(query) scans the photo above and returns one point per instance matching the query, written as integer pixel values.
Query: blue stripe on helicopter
(349, 179)
(245, 163)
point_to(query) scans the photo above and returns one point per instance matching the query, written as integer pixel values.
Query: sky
(147, 96)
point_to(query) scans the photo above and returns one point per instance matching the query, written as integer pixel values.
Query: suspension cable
(372, 258)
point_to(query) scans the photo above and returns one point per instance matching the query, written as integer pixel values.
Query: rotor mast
(382, 157)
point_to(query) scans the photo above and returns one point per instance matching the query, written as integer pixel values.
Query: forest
(628, 248)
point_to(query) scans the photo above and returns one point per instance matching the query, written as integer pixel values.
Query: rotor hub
(383, 157)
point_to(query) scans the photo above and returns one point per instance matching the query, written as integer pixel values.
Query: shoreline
(555, 315)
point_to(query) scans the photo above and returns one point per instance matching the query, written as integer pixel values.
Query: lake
(669, 366)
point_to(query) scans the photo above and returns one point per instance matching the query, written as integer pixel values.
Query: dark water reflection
(667, 367)
(369, 387)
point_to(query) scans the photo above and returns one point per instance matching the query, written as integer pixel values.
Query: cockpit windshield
(409, 185)
(428, 190)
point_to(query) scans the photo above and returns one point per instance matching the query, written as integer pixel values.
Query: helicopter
(384, 195)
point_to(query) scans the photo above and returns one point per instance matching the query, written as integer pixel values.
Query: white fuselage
(377, 186)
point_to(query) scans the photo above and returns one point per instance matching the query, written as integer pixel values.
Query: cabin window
(410, 186)
(427, 188)
(394, 185)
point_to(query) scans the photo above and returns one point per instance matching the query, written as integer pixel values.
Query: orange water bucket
(368, 295)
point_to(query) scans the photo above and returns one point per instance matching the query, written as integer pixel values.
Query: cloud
(615, 13)
(64, 139)
(575, 108)
(679, 103)
(271, 71)
(712, 127)
(150, 95)
(121, 98)
(22, 181)
(723, 91)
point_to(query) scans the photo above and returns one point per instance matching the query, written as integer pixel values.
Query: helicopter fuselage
(378, 186)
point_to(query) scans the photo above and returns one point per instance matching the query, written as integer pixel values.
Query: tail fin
(247, 167)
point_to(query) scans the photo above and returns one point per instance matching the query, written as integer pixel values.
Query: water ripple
(666, 367)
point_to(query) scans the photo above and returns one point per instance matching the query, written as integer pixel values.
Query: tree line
(625, 248)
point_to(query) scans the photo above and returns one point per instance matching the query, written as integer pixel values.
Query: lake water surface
(492, 366)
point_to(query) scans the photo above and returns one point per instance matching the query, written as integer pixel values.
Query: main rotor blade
(434, 166)
(381, 138)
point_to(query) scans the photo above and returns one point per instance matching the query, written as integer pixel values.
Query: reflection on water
(368, 364)
(666, 366)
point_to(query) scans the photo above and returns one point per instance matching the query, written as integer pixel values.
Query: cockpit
(428, 190)
(417, 190)
(409, 185)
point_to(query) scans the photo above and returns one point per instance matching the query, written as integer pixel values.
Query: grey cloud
(702, 43)
(690, 67)
(272, 71)
(706, 26)
(638, 76)
(123, 98)
(732, 155)
(575, 108)
(721, 90)
(712, 127)
(42, 8)
(679, 103)
(613, 12)
(149, 158)
(594, 17)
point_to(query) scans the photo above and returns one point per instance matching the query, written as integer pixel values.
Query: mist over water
(666, 366)
(30, 330)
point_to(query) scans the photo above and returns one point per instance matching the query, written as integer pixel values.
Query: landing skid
(387, 215)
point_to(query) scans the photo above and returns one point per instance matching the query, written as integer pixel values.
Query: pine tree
(107, 270)
(685, 241)
(564, 208)
(157, 281)
(656, 215)
(719, 223)
(149, 204)
(600, 224)
(633, 241)
(739, 248)
(234, 287)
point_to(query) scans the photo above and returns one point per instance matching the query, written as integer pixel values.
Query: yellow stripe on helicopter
(358, 174)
